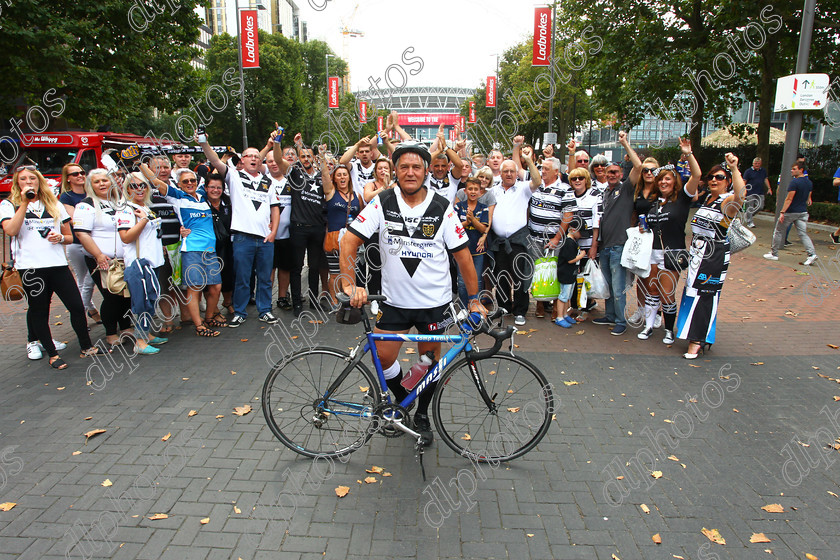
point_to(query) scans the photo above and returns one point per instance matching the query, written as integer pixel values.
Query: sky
(431, 27)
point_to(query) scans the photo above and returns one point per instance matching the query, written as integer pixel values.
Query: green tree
(108, 61)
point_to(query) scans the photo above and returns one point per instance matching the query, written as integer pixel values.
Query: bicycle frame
(461, 344)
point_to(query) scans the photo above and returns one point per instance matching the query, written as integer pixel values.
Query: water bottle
(418, 370)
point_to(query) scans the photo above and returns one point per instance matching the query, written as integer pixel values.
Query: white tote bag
(636, 254)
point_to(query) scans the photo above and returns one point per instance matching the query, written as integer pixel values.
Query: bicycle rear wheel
(296, 412)
(519, 415)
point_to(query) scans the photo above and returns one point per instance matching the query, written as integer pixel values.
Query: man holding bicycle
(416, 228)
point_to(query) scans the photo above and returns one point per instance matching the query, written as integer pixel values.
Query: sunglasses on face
(575, 178)
(598, 165)
(189, 181)
(583, 161)
(77, 173)
(138, 186)
(649, 170)
(613, 172)
(718, 177)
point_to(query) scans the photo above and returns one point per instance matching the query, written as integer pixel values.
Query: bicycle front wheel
(296, 412)
(517, 418)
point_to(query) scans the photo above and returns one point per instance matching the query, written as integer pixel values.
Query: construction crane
(347, 31)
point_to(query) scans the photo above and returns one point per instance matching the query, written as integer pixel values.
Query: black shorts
(426, 321)
(283, 254)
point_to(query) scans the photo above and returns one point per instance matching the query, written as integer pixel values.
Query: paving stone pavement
(745, 426)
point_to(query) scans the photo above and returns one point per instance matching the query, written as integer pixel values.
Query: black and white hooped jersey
(546, 208)
(446, 187)
(587, 215)
(413, 243)
(30, 247)
(252, 197)
(710, 221)
(360, 175)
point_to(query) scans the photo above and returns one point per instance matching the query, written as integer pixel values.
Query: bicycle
(489, 406)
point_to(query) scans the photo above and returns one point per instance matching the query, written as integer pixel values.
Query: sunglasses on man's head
(77, 173)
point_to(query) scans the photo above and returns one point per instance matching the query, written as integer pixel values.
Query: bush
(825, 211)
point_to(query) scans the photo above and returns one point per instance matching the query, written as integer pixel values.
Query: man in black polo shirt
(308, 227)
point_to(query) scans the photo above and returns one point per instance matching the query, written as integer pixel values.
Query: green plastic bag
(544, 286)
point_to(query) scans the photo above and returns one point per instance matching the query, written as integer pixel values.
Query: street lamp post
(259, 6)
(329, 124)
(589, 98)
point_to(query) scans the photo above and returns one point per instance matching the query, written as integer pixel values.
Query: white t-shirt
(30, 247)
(413, 243)
(251, 198)
(361, 175)
(284, 196)
(446, 187)
(149, 240)
(101, 225)
(511, 213)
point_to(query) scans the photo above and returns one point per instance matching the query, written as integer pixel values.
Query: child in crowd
(568, 257)
(475, 218)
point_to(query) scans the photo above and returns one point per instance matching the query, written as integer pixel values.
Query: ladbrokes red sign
(249, 38)
(491, 91)
(472, 112)
(362, 111)
(333, 93)
(542, 37)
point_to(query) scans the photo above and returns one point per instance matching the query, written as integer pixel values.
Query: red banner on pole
(379, 126)
(332, 94)
(249, 39)
(362, 111)
(542, 37)
(491, 91)
(472, 112)
(461, 124)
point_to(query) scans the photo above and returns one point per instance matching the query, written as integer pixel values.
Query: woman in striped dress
(709, 256)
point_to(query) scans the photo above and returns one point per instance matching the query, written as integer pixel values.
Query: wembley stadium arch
(421, 109)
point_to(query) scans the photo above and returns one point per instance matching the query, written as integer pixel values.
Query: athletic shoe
(603, 321)
(58, 345)
(770, 257)
(618, 330)
(637, 316)
(298, 309)
(158, 340)
(148, 350)
(669, 337)
(834, 238)
(284, 303)
(424, 428)
(788, 243)
(268, 318)
(590, 305)
(236, 321)
(33, 351)
(810, 260)
(751, 225)
(645, 334)
(564, 322)
(519, 320)
(658, 322)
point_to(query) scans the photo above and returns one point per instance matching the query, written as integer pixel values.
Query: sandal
(217, 320)
(58, 363)
(92, 351)
(93, 314)
(201, 330)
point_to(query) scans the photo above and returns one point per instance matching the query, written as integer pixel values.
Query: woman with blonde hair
(41, 225)
(72, 193)
(95, 223)
(139, 230)
(646, 194)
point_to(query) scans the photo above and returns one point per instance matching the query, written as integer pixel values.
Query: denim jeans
(250, 252)
(615, 275)
(478, 262)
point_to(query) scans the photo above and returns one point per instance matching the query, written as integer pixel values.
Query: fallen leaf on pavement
(363, 389)
(657, 539)
(246, 340)
(242, 410)
(166, 437)
(466, 437)
(6, 506)
(811, 557)
(832, 493)
(205, 521)
(833, 346)
(89, 418)
(759, 537)
(232, 372)
(387, 474)
(529, 534)
(580, 331)
(773, 508)
(375, 470)
(107, 482)
(192, 413)
(92, 433)
(513, 409)
(342, 491)
(673, 458)
(219, 416)
(757, 364)
(236, 510)
(77, 453)
(410, 351)
(60, 388)
(656, 474)
(157, 516)
(644, 507)
(569, 383)
(714, 536)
